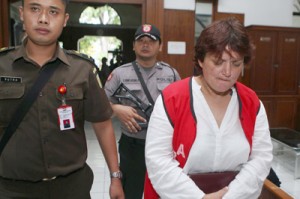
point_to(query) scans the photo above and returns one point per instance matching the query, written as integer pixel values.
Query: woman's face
(220, 74)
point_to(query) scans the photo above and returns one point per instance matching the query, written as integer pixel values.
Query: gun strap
(26, 103)
(146, 91)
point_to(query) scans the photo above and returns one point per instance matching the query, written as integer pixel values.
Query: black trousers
(76, 185)
(132, 165)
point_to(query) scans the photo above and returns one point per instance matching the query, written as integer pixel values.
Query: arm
(249, 181)
(167, 178)
(128, 116)
(106, 138)
(177, 75)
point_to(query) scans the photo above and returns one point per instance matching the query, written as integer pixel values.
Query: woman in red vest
(210, 123)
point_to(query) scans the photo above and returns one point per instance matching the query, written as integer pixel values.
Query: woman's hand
(216, 195)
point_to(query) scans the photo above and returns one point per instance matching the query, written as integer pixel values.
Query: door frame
(152, 12)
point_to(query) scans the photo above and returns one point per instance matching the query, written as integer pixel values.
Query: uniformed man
(156, 75)
(46, 155)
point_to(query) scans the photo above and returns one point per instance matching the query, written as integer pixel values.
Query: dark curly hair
(220, 34)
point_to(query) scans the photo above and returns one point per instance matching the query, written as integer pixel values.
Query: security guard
(46, 155)
(156, 75)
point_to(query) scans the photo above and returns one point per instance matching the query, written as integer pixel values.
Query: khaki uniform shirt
(156, 79)
(39, 149)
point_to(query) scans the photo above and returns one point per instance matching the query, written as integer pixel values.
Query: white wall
(204, 8)
(180, 4)
(261, 12)
(256, 12)
(296, 21)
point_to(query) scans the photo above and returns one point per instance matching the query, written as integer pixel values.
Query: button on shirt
(39, 149)
(156, 79)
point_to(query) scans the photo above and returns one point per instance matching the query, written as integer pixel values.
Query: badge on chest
(65, 112)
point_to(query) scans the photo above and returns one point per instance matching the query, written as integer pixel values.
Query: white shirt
(215, 149)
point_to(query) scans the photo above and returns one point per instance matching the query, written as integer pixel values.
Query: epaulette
(6, 49)
(164, 63)
(81, 55)
(126, 65)
(172, 69)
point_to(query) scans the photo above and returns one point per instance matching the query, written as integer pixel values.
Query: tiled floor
(100, 189)
(282, 164)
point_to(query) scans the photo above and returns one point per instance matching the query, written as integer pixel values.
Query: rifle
(124, 93)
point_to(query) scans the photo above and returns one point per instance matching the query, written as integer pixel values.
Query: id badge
(65, 118)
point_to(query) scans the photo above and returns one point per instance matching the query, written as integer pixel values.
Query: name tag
(130, 80)
(165, 79)
(65, 116)
(10, 79)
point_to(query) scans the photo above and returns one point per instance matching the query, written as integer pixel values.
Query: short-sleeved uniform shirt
(156, 79)
(39, 149)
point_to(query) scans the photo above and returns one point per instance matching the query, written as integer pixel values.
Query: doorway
(96, 28)
(102, 30)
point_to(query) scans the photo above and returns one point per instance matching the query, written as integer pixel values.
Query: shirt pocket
(162, 85)
(11, 91)
(10, 96)
(74, 98)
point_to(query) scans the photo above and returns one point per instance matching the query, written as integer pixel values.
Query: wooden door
(4, 23)
(262, 68)
(287, 69)
(285, 109)
(268, 104)
(281, 111)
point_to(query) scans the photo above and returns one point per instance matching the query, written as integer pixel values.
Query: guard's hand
(116, 190)
(128, 116)
(216, 195)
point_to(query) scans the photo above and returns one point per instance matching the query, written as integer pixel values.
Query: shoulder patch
(81, 55)
(164, 63)
(6, 49)
(109, 77)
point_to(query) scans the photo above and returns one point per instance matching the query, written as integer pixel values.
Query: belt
(49, 179)
(55, 177)
(42, 180)
(46, 179)
(132, 140)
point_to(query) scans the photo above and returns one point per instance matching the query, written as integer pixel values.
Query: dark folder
(212, 182)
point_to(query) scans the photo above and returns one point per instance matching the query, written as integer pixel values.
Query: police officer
(46, 155)
(156, 75)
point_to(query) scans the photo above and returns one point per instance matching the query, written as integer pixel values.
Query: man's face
(146, 48)
(43, 20)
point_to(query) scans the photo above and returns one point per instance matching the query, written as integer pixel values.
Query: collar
(157, 65)
(59, 54)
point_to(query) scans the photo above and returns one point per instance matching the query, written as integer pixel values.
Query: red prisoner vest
(178, 103)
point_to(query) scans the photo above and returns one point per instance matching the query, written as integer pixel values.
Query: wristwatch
(116, 174)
